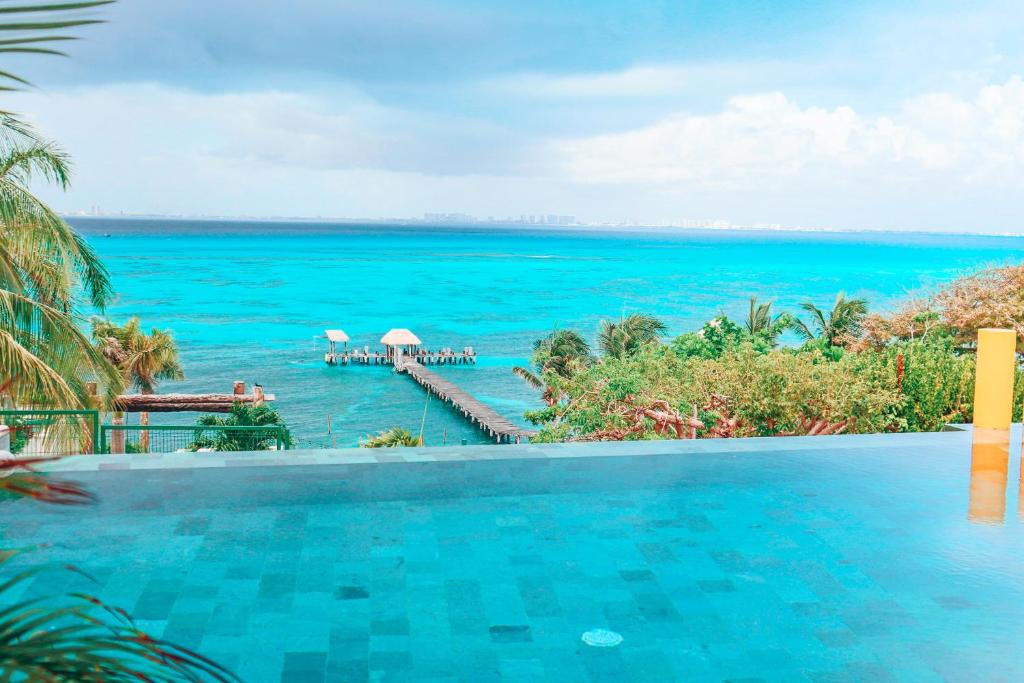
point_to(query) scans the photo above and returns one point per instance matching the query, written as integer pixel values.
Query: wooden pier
(473, 410)
(444, 357)
(404, 351)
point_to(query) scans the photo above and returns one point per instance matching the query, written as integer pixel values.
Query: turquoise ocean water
(246, 300)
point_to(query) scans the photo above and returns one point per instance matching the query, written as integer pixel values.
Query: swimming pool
(821, 559)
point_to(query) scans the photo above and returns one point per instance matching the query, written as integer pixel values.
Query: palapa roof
(336, 335)
(400, 337)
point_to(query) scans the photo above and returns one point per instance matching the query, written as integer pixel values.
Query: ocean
(249, 299)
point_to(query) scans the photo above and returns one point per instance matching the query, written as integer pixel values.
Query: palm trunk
(144, 434)
(117, 435)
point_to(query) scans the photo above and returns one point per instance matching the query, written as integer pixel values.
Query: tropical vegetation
(760, 322)
(243, 415)
(837, 327)
(396, 437)
(849, 370)
(47, 271)
(46, 268)
(627, 335)
(142, 359)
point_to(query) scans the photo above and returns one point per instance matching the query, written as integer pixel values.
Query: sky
(896, 115)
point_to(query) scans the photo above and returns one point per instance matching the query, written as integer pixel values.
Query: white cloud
(769, 139)
(145, 148)
(341, 130)
(937, 161)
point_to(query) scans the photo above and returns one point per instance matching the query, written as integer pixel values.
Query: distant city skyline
(532, 221)
(906, 114)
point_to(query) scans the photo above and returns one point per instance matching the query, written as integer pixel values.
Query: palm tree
(629, 334)
(561, 352)
(143, 359)
(44, 264)
(46, 360)
(837, 327)
(761, 323)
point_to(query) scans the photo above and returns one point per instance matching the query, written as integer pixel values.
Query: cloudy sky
(842, 113)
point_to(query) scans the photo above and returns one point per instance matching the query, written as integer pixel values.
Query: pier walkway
(465, 357)
(473, 410)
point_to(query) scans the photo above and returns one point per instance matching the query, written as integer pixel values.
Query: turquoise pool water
(245, 300)
(824, 559)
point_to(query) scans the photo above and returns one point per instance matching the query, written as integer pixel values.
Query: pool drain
(601, 638)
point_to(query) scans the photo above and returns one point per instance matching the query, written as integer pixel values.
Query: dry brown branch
(658, 415)
(726, 424)
(989, 298)
(817, 427)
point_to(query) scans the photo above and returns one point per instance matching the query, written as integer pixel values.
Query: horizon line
(710, 226)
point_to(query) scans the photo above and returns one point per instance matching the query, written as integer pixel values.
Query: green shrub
(768, 392)
(243, 415)
(937, 383)
(396, 437)
(719, 335)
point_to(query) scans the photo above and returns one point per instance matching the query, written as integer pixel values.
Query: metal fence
(50, 432)
(173, 438)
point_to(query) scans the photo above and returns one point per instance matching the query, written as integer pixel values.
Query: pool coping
(956, 436)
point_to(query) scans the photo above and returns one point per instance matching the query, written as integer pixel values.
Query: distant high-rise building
(449, 218)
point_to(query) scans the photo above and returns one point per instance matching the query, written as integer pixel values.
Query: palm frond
(77, 636)
(818, 321)
(528, 377)
(392, 438)
(752, 322)
(561, 352)
(31, 230)
(803, 329)
(842, 323)
(759, 318)
(644, 327)
(41, 23)
(81, 638)
(618, 339)
(611, 339)
(48, 357)
(143, 359)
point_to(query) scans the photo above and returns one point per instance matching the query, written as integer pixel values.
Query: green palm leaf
(529, 377)
(48, 357)
(392, 438)
(37, 24)
(843, 322)
(618, 339)
(143, 359)
(83, 639)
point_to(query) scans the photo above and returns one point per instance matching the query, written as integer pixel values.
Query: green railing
(51, 432)
(173, 438)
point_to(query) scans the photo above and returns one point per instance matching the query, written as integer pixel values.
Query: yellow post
(993, 382)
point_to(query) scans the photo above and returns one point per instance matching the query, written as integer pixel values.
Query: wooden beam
(171, 403)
